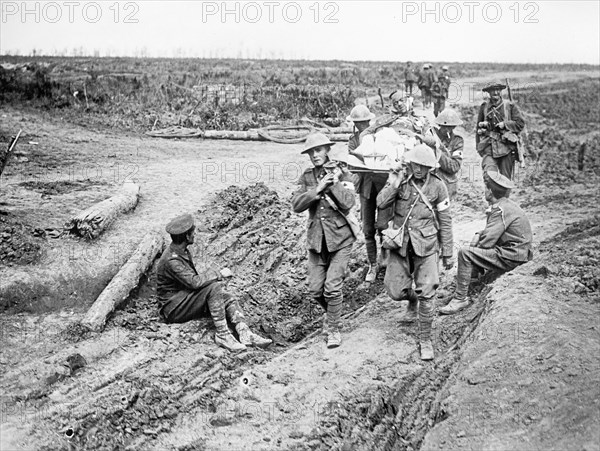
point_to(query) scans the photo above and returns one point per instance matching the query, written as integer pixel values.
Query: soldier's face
(361, 125)
(418, 170)
(190, 236)
(489, 197)
(318, 155)
(495, 94)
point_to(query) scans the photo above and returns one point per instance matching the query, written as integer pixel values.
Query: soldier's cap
(501, 180)
(494, 85)
(316, 139)
(180, 224)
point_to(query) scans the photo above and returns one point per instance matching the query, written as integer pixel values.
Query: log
(92, 222)
(124, 281)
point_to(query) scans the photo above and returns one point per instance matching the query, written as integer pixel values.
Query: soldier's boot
(454, 306)
(334, 338)
(410, 315)
(425, 323)
(224, 338)
(372, 273)
(249, 338)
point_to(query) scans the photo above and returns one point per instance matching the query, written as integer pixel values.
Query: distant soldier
(504, 244)
(421, 209)
(499, 123)
(186, 295)
(439, 91)
(368, 186)
(409, 78)
(449, 149)
(425, 82)
(328, 195)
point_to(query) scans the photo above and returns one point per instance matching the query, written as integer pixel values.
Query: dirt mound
(60, 187)
(17, 245)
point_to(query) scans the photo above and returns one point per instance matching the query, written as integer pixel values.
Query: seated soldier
(504, 244)
(186, 295)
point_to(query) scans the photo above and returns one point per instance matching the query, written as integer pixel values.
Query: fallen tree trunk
(279, 134)
(124, 281)
(92, 222)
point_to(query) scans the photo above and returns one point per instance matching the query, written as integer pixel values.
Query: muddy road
(517, 370)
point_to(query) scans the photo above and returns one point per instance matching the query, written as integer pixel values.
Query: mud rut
(153, 386)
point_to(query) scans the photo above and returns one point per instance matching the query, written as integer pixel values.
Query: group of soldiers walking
(406, 221)
(434, 86)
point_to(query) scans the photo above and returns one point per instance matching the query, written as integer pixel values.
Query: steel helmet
(494, 85)
(422, 154)
(448, 117)
(360, 113)
(444, 67)
(316, 139)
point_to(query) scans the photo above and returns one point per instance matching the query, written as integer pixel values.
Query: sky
(462, 31)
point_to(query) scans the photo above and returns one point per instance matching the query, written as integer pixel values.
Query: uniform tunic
(450, 159)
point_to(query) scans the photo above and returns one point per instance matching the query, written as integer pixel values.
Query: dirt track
(512, 383)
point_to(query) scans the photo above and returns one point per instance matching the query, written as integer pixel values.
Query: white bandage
(444, 205)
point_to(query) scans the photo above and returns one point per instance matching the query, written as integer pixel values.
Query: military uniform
(499, 153)
(185, 295)
(439, 91)
(425, 82)
(409, 79)
(426, 233)
(504, 244)
(329, 238)
(450, 154)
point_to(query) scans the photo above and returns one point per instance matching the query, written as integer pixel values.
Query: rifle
(4, 158)
(520, 152)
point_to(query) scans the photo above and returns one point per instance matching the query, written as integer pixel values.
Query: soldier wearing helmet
(499, 123)
(421, 208)
(449, 149)
(360, 117)
(323, 191)
(425, 81)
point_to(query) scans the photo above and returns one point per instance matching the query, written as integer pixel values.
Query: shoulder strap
(506, 110)
(486, 107)
(427, 203)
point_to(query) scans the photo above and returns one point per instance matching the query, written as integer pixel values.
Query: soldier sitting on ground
(504, 244)
(186, 295)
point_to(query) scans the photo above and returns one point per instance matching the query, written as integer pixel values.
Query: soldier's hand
(325, 182)
(475, 240)
(501, 125)
(483, 124)
(448, 262)
(226, 273)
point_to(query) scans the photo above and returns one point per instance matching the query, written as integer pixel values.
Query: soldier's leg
(334, 282)
(368, 208)
(186, 305)
(470, 258)
(317, 271)
(488, 163)
(217, 300)
(426, 283)
(398, 277)
(506, 165)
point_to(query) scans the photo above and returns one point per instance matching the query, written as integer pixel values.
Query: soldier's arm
(453, 162)
(387, 196)
(184, 274)
(442, 208)
(304, 197)
(480, 118)
(494, 229)
(343, 197)
(517, 122)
